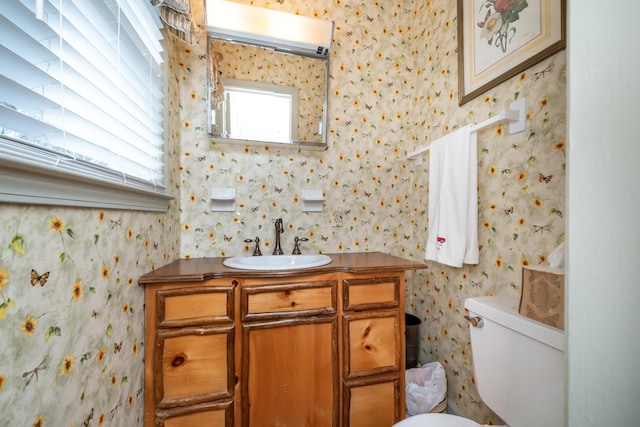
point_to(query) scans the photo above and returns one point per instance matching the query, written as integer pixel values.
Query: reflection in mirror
(262, 95)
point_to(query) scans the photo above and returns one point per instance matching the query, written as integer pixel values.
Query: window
(258, 111)
(82, 110)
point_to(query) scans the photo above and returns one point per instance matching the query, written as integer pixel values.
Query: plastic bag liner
(425, 387)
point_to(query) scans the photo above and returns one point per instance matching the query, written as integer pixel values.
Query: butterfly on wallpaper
(324, 238)
(228, 238)
(34, 372)
(87, 421)
(117, 347)
(540, 228)
(437, 288)
(546, 179)
(367, 194)
(36, 278)
(540, 74)
(278, 190)
(95, 314)
(116, 224)
(406, 237)
(409, 69)
(280, 1)
(115, 409)
(509, 211)
(438, 94)
(202, 158)
(370, 19)
(476, 284)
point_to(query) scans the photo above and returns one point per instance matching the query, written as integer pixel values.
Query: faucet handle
(296, 248)
(256, 251)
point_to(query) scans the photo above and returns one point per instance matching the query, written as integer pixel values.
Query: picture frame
(498, 39)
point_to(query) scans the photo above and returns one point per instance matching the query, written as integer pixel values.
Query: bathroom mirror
(261, 95)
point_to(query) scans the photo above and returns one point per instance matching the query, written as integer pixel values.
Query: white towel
(453, 199)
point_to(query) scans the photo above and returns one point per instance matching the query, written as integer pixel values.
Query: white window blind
(82, 96)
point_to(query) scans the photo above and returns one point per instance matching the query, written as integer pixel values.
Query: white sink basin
(277, 262)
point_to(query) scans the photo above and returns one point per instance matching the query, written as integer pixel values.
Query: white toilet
(518, 365)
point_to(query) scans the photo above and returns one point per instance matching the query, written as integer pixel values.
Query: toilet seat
(436, 420)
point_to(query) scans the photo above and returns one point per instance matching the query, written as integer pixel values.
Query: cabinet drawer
(194, 365)
(210, 414)
(287, 300)
(188, 306)
(372, 402)
(371, 293)
(371, 343)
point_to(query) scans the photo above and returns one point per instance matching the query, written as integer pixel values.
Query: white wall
(603, 213)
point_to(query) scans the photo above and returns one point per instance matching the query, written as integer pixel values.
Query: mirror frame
(297, 144)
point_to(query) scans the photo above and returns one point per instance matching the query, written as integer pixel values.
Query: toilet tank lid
(503, 309)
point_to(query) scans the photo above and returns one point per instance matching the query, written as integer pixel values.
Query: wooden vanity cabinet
(321, 349)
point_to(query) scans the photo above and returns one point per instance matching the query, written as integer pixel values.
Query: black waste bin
(412, 335)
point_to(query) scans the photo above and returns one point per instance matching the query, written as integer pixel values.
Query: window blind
(82, 89)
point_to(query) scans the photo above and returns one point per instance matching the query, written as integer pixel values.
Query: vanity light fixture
(269, 28)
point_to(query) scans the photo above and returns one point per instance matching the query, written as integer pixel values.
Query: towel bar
(515, 115)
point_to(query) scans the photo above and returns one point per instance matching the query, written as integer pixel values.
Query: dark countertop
(200, 269)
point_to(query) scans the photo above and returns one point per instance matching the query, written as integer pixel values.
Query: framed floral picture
(498, 39)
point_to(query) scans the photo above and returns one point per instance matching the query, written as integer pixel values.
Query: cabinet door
(372, 402)
(290, 373)
(194, 365)
(371, 343)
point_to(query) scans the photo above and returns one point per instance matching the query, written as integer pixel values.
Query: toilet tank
(518, 363)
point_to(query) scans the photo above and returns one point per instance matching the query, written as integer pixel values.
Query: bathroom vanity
(322, 346)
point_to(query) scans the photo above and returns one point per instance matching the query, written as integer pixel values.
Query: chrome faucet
(279, 230)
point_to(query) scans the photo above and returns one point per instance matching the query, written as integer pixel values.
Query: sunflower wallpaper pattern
(393, 87)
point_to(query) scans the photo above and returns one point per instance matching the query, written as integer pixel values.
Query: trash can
(412, 336)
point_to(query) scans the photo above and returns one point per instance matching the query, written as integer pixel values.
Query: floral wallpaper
(393, 87)
(306, 75)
